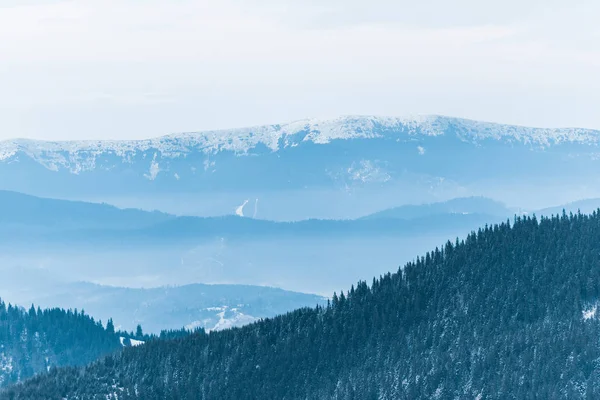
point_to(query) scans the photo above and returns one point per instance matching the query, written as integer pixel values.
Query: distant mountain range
(47, 244)
(353, 166)
(25, 218)
(462, 206)
(22, 216)
(586, 206)
(44, 240)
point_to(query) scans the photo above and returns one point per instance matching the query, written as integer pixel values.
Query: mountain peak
(340, 153)
(319, 131)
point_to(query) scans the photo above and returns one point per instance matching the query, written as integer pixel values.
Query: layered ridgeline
(46, 240)
(510, 312)
(25, 218)
(34, 341)
(353, 165)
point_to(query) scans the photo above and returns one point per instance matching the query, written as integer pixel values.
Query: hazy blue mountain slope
(18, 210)
(193, 306)
(196, 230)
(25, 218)
(463, 205)
(72, 241)
(192, 227)
(585, 206)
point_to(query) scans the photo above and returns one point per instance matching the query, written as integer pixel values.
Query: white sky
(81, 69)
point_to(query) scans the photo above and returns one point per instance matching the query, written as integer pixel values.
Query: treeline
(507, 313)
(165, 334)
(33, 341)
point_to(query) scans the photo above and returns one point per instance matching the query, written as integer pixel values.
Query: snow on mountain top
(274, 137)
(237, 140)
(470, 130)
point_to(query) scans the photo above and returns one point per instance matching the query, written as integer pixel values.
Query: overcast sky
(85, 69)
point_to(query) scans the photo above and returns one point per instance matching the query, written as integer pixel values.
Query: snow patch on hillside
(6, 363)
(590, 312)
(6, 367)
(237, 319)
(226, 318)
(368, 171)
(240, 210)
(154, 169)
(132, 342)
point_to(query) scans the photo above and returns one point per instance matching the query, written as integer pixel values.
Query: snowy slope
(80, 156)
(354, 165)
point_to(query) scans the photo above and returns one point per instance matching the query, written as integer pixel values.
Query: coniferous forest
(507, 313)
(34, 341)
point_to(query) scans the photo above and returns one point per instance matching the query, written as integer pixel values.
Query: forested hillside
(34, 341)
(510, 312)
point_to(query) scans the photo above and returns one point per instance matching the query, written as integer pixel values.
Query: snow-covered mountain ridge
(353, 165)
(79, 156)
